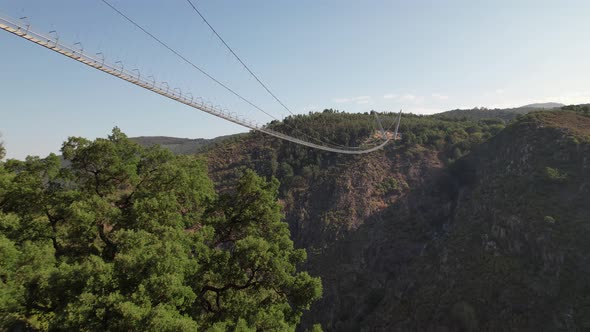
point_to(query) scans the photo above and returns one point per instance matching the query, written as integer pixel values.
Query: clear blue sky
(422, 56)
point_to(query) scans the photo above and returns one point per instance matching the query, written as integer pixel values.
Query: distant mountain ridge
(182, 145)
(198, 145)
(543, 105)
(506, 114)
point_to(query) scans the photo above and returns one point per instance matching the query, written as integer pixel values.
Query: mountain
(506, 114)
(182, 145)
(543, 105)
(461, 225)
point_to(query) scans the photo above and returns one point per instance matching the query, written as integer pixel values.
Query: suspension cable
(238, 58)
(265, 86)
(186, 60)
(126, 17)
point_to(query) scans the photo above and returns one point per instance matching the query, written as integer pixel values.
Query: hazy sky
(422, 56)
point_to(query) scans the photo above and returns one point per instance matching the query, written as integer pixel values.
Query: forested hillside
(461, 225)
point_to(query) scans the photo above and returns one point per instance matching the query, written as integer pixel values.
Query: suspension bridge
(97, 61)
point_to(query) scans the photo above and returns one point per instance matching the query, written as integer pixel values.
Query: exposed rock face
(497, 241)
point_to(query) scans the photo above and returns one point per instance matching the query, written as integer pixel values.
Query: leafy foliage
(183, 145)
(2, 151)
(582, 109)
(127, 238)
(555, 175)
(297, 166)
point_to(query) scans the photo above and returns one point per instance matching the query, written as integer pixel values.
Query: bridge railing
(52, 42)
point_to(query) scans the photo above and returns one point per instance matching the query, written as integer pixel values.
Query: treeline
(127, 238)
(582, 109)
(482, 113)
(337, 128)
(297, 166)
(453, 137)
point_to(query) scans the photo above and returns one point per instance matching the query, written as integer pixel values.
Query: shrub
(555, 175)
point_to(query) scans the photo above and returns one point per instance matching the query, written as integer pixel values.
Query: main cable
(211, 77)
(238, 58)
(196, 10)
(187, 60)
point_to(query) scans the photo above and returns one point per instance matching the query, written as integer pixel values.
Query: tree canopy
(2, 150)
(127, 238)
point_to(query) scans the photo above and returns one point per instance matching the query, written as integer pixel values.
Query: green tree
(2, 150)
(126, 238)
(252, 268)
